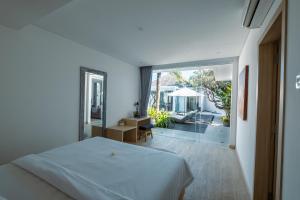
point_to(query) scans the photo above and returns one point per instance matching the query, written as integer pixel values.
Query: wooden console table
(122, 133)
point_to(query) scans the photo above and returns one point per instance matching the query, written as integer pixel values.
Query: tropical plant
(226, 120)
(152, 112)
(180, 80)
(218, 92)
(162, 118)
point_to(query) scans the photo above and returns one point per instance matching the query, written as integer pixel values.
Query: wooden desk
(122, 133)
(136, 122)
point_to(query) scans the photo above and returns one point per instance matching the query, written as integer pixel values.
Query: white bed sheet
(16, 183)
(117, 170)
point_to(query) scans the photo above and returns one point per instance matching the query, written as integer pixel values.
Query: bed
(96, 168)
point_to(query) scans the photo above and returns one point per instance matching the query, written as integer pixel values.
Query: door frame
(275, 133)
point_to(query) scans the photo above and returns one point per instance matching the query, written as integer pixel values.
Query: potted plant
(226, 120)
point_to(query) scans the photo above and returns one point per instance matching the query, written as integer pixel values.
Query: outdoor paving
(214, 133)
(190, 127)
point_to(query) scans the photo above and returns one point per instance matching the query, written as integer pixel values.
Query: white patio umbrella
(185, 92)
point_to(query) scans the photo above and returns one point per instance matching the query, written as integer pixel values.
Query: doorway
(270, 97)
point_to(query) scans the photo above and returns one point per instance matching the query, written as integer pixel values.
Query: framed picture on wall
(243, 93)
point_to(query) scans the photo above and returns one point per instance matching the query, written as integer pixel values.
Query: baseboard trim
(244, 175)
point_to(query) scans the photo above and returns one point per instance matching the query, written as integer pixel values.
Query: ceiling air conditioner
(255, 12)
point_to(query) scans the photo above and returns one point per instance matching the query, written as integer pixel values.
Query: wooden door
(269, 120)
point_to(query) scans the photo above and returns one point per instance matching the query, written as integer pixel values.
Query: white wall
(291, 164)
(39, 84)
(210, 106)
(234, 93)
(246, 130)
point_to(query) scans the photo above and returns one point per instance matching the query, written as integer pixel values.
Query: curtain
(146, 80)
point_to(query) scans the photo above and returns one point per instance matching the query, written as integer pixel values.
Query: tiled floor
(216, 170)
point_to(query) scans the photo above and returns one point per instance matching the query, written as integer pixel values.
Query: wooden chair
(145, 130)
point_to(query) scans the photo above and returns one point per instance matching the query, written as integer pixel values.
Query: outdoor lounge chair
(182, 118)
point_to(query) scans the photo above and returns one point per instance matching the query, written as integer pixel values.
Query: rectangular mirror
(92, 111)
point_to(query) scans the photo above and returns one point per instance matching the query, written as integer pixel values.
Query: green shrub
(152, 112)
(162, 118)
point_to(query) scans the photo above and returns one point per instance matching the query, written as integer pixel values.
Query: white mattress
(96, 168)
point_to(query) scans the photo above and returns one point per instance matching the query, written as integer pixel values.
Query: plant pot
(226, 123)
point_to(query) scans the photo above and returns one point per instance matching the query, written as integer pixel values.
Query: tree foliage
(180, 80)
(218, 92)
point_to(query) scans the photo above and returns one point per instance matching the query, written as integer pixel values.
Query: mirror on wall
(92, 116)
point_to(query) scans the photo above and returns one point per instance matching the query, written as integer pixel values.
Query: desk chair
(145, 130)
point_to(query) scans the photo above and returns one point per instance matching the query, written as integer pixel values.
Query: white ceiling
(16, 14)
(152, 32)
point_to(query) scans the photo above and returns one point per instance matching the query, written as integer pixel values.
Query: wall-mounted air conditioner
(255, 12)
